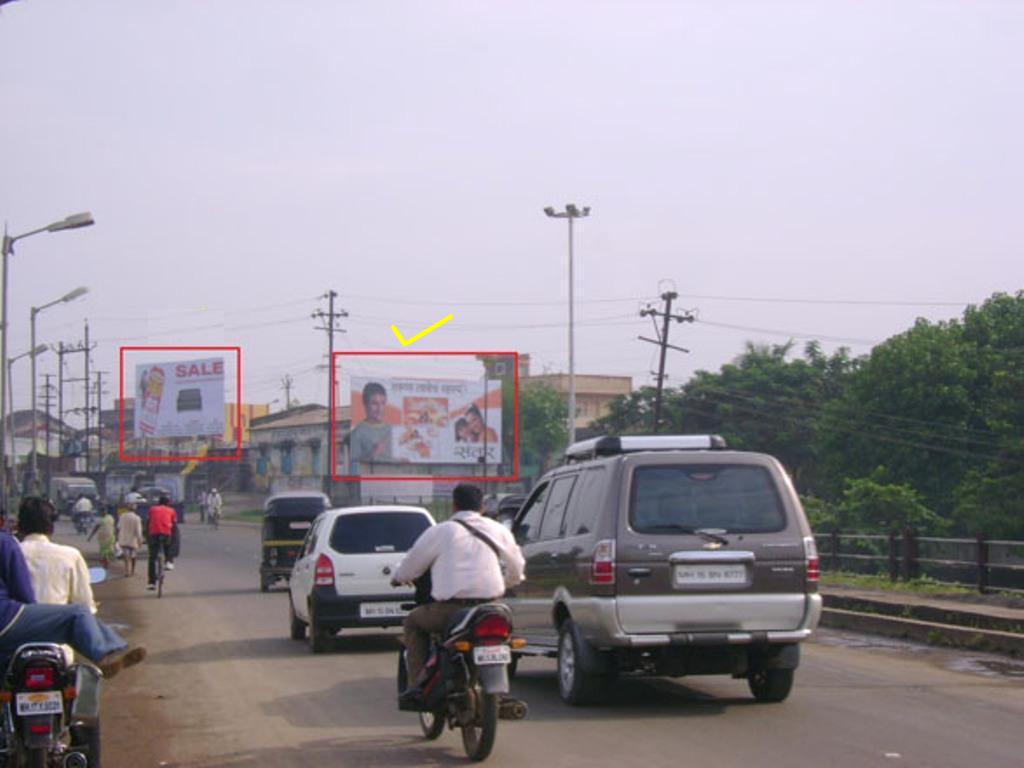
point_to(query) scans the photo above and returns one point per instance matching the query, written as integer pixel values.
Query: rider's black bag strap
(482, 536)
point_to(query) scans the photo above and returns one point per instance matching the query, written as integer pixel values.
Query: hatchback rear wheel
(297, 627)
(319, 636)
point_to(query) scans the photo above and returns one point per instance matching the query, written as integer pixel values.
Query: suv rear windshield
(677, 499)
(296, 507)
(367, 534)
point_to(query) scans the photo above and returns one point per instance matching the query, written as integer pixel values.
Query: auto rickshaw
(286, 518)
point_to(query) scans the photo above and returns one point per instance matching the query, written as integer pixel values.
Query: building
(289, 450)
(594, 393)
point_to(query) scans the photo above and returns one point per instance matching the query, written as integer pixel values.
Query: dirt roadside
(134, 727)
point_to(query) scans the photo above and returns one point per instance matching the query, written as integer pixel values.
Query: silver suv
(666, 555)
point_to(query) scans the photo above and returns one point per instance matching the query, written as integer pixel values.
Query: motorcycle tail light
(492, 627)
(39, 730)
(39, 678)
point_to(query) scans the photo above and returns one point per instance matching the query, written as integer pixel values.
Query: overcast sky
(242, 157)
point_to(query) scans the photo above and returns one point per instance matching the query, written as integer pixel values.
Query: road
(225, 687)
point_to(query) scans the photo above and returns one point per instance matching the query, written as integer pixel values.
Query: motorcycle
(49, 707)
(465, 679)
(84, 521)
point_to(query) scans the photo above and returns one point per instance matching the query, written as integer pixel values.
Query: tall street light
(70, 296)
(10, 394)
(7, 249)
(571, 212)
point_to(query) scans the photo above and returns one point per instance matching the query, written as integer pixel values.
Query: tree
(544, 430)
(871, 505)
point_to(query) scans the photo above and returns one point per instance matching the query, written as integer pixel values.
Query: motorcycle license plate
(491, 654)
(40, 703)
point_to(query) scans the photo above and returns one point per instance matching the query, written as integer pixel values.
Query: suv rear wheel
(577, 660)
(771, 685)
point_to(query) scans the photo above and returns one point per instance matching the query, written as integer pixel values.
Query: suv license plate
(706, 575)
(381, 610)
(40, 703)
(491, 654)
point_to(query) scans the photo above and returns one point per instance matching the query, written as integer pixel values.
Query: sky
(793, 170)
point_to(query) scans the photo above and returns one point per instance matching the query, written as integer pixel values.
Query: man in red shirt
(160, 528)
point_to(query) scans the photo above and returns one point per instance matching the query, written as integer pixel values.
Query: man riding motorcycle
(464, 571)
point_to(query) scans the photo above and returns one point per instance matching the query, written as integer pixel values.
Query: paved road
(225, 687)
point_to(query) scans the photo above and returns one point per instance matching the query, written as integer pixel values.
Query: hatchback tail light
(39, 678)
(492, 627)
(602, 569)
(813, 563)
(324, 572)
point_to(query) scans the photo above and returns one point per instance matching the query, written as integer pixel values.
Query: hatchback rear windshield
(677, 499)
(363, 534)
(295, 507)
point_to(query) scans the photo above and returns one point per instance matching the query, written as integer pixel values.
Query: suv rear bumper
(599, 621)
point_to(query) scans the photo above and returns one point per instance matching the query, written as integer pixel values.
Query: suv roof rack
(613, 446)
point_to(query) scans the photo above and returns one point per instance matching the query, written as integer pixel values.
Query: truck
(64, 492)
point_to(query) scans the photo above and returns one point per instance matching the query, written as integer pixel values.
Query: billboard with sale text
(180, 399)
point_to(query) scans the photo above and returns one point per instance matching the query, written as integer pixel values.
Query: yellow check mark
(430, 329)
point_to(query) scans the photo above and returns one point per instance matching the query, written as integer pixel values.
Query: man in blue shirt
(23, 620)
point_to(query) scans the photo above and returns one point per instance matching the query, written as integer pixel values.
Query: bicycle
(160, 567)
(213, 520)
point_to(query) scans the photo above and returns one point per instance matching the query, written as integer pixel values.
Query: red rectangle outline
(444, 478)
(237, 456)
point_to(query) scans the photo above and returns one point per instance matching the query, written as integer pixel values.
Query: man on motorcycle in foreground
(464, 571)
(23, 620)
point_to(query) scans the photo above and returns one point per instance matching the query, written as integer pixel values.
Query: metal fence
(985, 564)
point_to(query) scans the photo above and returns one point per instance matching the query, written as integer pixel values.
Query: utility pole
(662, 341)
(87, 355)
(48, 391)
(329, 319)
(286, 385)
(65, 349)
(99, 418)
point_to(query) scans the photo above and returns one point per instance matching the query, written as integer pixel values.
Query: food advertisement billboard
(425, 421)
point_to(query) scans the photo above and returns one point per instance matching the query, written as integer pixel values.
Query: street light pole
(70, 296)
(10, 400)
(7, 249)
(571, 212)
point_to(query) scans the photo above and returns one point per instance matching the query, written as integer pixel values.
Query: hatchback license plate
(705, 575)
(381, 610)
(40, 703)
(491, 654)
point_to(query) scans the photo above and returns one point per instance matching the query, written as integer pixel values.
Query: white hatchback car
(342, 575)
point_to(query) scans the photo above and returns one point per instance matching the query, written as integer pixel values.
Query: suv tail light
(813, 563)
(602, 569)
(492, 627)
(324, 572)
(39, 678)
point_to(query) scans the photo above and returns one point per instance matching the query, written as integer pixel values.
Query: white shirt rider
(461, 565)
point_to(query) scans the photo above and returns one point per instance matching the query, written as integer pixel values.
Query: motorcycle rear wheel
(478, 737)
(432, 724)
(36, 758)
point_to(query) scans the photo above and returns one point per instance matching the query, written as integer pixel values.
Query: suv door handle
(638, 572)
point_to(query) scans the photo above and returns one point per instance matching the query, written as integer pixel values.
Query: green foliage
(939, 406)
(871, 505)
(544, 428)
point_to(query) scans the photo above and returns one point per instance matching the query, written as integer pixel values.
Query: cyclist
(214, 505)
(160, 528)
